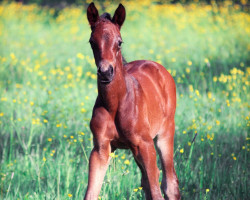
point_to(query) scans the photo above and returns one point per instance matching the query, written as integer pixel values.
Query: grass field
(48, 88)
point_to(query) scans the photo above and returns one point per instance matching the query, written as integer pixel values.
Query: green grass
(48, 89)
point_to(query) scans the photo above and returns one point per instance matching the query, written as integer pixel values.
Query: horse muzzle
(105, 75)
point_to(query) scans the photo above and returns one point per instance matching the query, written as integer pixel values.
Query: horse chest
(129, 125)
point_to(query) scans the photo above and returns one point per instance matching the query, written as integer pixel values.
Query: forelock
(106, 16)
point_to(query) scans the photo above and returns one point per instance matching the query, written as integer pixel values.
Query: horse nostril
(111, 70)
(99, 70)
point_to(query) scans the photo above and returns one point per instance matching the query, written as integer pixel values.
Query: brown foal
(136, 103)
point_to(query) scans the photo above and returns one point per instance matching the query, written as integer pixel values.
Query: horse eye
(119, 44)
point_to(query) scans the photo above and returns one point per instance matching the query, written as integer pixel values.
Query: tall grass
(48, 89)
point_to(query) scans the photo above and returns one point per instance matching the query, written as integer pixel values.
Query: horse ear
(92, 14)
(119, 15)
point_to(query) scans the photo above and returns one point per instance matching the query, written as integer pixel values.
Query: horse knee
(170, 188)
(101, 153)
(173, 192)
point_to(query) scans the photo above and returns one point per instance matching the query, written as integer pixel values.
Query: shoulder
(145, 71)
(147, 67)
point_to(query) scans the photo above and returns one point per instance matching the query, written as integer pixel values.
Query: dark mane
(106, 16)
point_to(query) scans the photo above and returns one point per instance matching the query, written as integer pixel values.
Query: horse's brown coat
(136, 103)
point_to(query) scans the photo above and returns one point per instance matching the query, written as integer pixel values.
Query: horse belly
(158, 91)
(155, 107)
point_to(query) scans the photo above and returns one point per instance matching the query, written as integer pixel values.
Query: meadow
(48, 89)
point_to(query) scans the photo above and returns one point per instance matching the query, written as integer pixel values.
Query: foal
(136, 103)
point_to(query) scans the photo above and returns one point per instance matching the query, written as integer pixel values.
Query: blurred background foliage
(62, 3)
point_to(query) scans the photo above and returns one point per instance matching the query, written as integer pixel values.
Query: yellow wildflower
(80, 56)
(189, 63)
(12, 55)
(58, 125)
(206, 60)
(69, 76)
(191, 89)
(112, 155)
(69, 195)
(209, 95)
(126, 162)
(82, 133)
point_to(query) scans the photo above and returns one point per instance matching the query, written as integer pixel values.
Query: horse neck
(112, 93)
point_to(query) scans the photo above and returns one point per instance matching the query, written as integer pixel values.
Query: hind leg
(144, 181)
(165, 146)
(145, 156)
